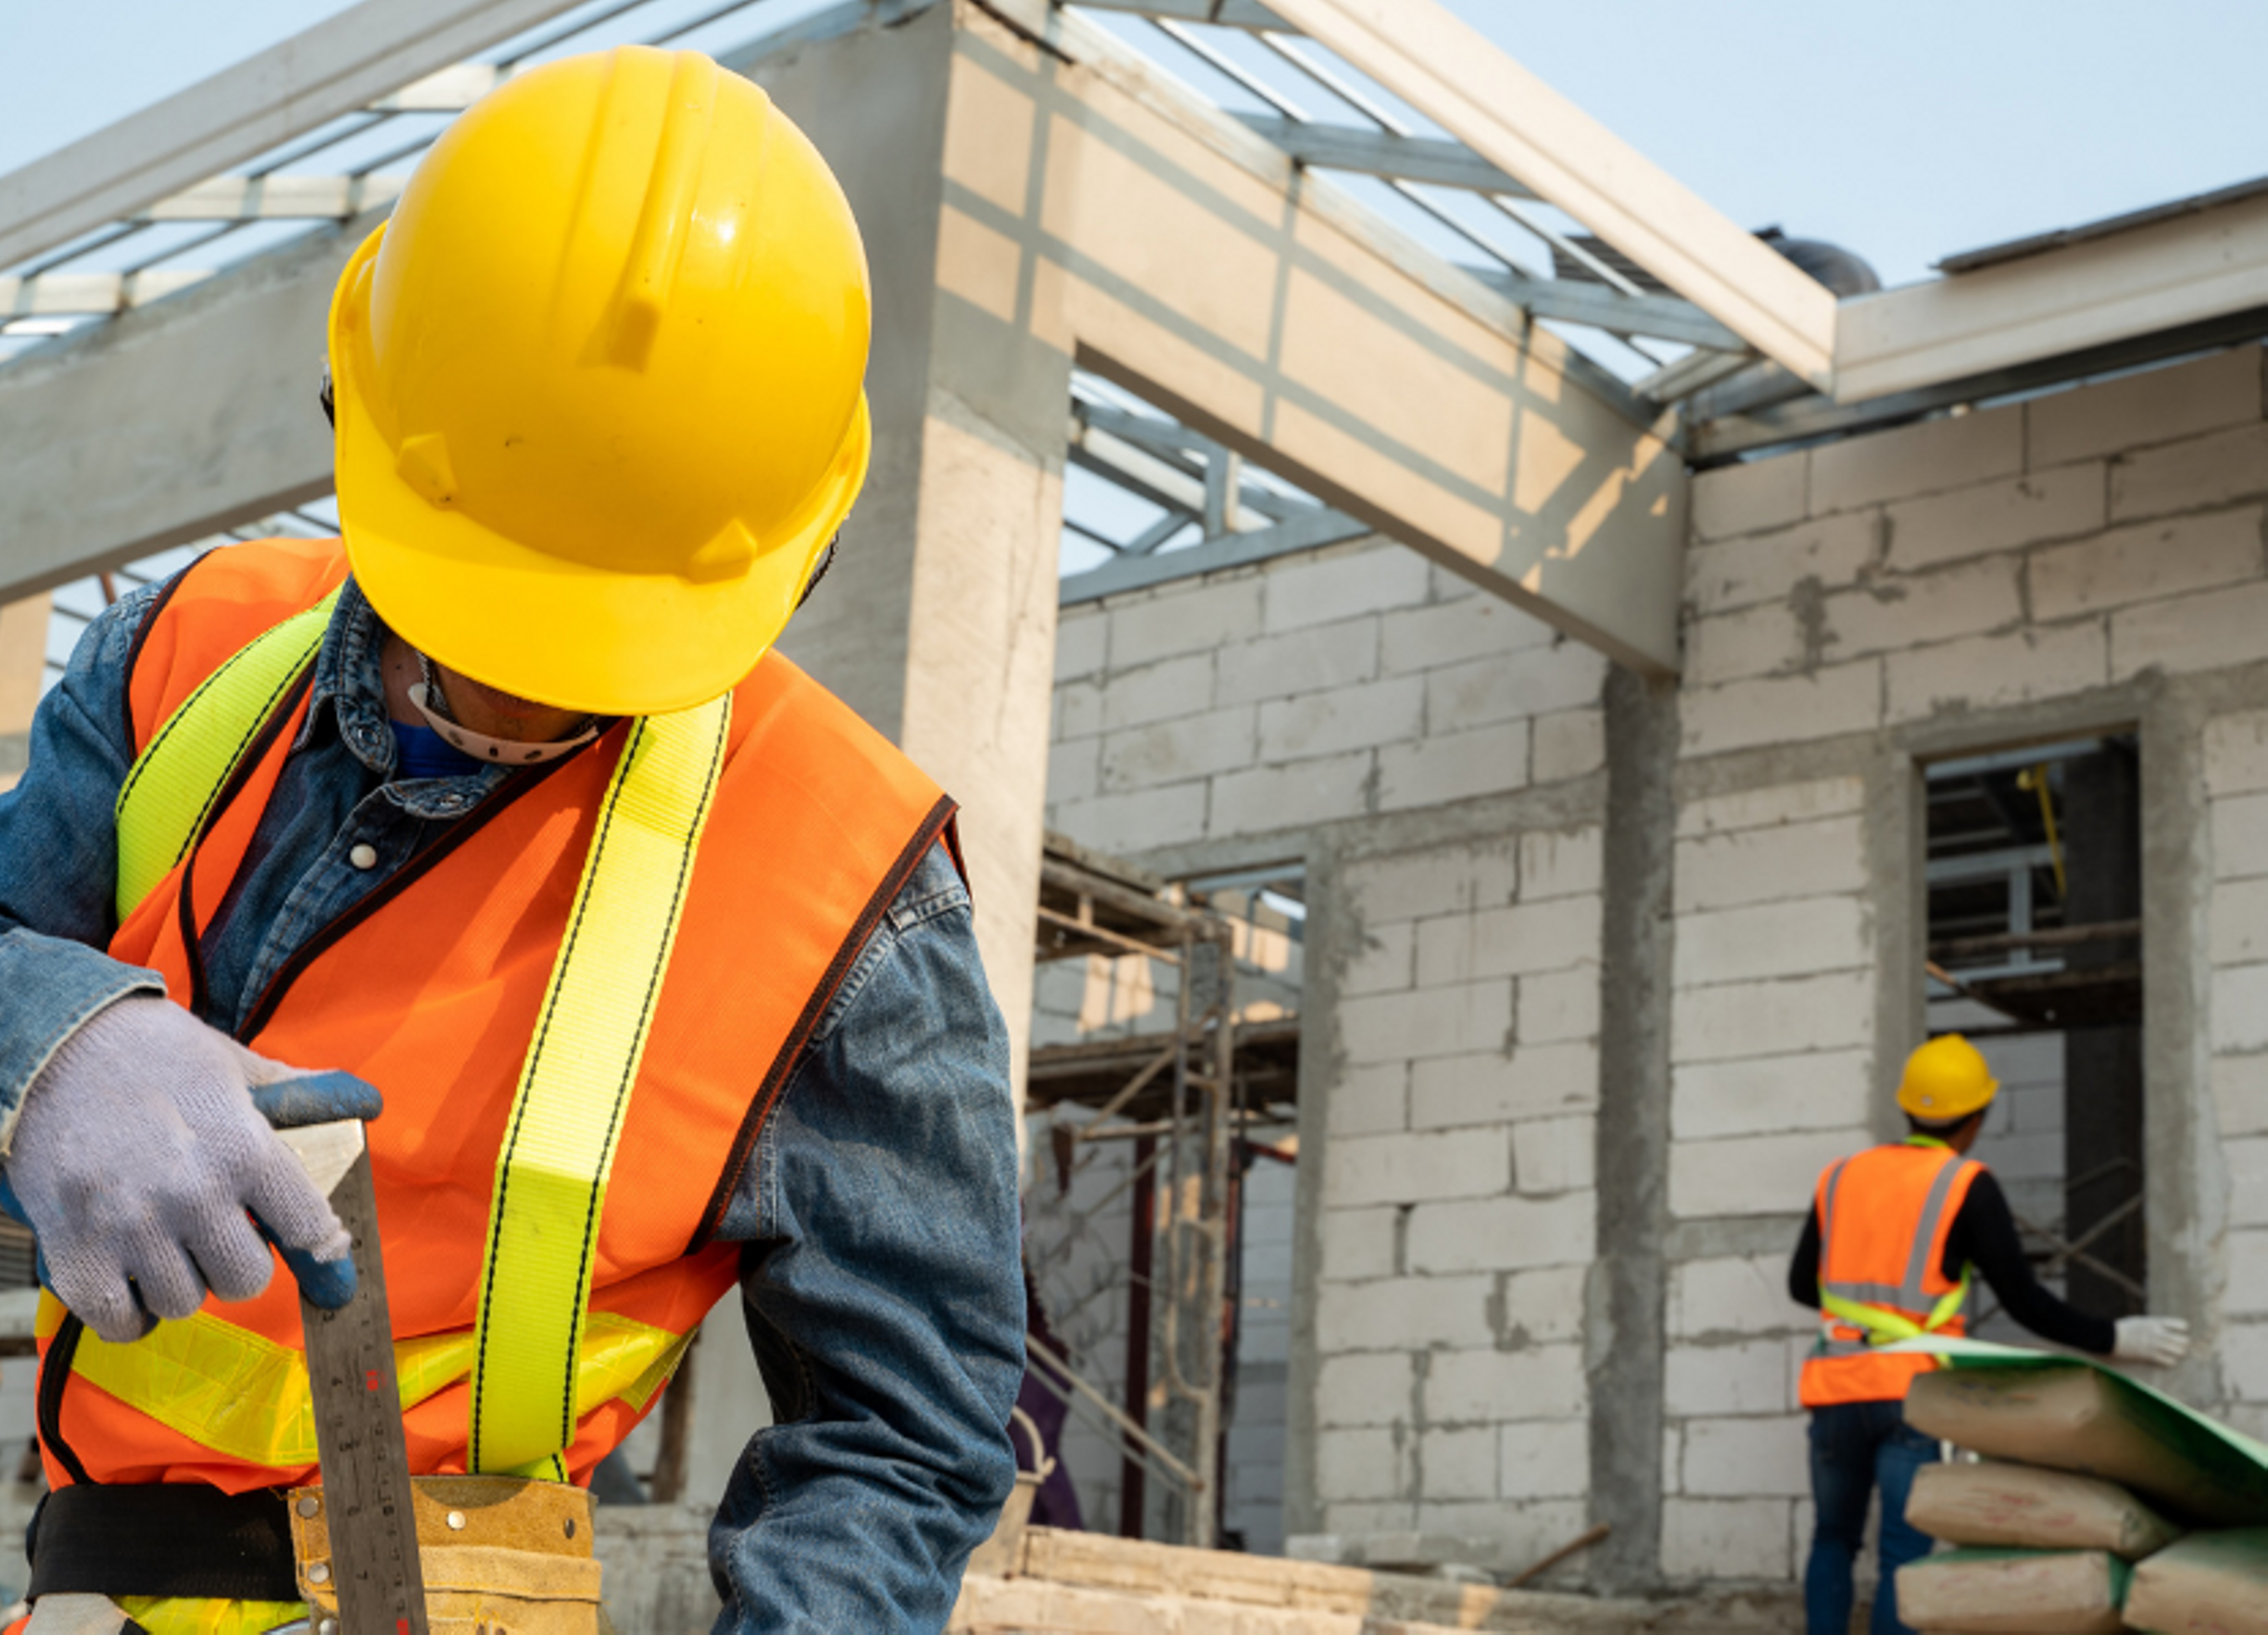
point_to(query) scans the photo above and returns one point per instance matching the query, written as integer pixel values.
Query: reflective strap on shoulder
(575, 1089)
(170, 792)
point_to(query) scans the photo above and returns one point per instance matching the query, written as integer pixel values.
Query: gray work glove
(2159, 1341)
(139, 1149)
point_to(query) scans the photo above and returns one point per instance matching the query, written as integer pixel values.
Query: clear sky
(1907, 131)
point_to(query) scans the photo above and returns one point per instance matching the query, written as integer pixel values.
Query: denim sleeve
(884, 1295)
(59, 860)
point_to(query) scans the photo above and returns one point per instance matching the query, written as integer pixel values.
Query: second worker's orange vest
(429, 987)
(1884, 1216)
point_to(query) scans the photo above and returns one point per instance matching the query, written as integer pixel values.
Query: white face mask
(433, 704)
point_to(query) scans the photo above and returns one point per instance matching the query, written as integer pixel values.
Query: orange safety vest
(1883, 1218)
(429, 989)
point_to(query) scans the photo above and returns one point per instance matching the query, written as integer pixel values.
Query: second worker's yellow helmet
(598, 384)
(1946, 1079)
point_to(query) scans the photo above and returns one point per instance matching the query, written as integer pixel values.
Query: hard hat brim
(544, 627)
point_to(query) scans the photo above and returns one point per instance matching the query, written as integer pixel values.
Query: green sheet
(2236, 1461)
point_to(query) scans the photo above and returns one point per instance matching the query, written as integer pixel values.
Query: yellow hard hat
(598, 384)
(1946, 1079)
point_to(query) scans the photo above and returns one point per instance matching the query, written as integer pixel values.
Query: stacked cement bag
(2075, 1524)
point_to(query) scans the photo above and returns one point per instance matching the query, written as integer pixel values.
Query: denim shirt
(880, 1270)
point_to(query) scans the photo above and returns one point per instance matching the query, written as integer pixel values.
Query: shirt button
(363, 857)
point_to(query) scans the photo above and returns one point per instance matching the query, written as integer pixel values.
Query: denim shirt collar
(349, 680)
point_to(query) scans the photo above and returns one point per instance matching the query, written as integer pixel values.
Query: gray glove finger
(228, 1250)
(99, 1297)
(168, 1282)
(277, 1191)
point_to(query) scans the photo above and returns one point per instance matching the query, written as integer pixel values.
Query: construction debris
(2021, 1506)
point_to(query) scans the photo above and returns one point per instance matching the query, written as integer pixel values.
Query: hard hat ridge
(1946, 1079)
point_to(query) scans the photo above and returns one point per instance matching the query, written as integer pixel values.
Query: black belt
(163, 1539)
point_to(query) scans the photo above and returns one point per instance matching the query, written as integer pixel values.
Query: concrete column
(937, 621)
(23, 660)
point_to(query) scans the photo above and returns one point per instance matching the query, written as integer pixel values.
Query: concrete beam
(336, 66)
(23, 666)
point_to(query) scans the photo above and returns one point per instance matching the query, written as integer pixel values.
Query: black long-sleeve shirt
(1983, 1236)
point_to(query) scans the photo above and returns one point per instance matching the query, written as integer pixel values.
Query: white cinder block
(1765, 1175)
(1985, 672)
(2207, 631)
(1344, 718)
(1457, 767)
(2247, 1161)
(2240, 1010)
(1368, 1518)
(2212, 470)
(1535, 1081)
(1554, 1155)
(1495, 1233)
(1765, 567)
(1541, 1382)
(1567, 744)
(1179, 686)
(2244, 1360)
(1442, 880)
(1412, 1168)
(1818, 1090)
(1726, 1538)
(1506, 686)
(1448, 632)
(1459, 1463)
(1834, 1011)
(2240, 1094)
(1928, 458)
(1077, 710)
(1544, 1459)
(1360, 1464)
(1735, 1295)
(2246, 1295)
(1173, 752)
(1371, 1100)
(1773, 940)
(1558, 1007)
(1765, 639)
(1770, 805)
(1425, 1022)
(2239, 922)
(1194, 618)
(1559, 862)
(1072, 770)
(1383, 962)
(1989, 516)
(2236, 753)
(1304, 593)
(1749, 496)
(1369, 1388)
(1748, 1457)
(1357, 1244)
(1555, 935)
(1911, 610)
(1285, 798)
(2154, 406)
(1132, 822)
(1745, 1377)
(1405, 1313)
(1305, 660)
(1082, 642)
(1798, 859)
(2240, 837)
(1544, 1305)
(1832, 701)
(2147, 563)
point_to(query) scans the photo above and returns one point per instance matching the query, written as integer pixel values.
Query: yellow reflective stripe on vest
(243, 1396)
(574, 1088)
(1884, 1326)
(169, 794)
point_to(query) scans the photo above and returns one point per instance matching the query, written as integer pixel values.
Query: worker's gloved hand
(2159, 1341)
(140, 1147)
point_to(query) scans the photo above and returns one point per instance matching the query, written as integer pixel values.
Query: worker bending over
(661, 958)
(1895, 1238)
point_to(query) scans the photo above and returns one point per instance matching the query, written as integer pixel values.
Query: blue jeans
(1855, 1448)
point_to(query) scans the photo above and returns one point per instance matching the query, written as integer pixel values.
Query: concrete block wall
(2235, 762)
(1343, 684)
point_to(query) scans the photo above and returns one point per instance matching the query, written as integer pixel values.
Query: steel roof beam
(1381, 153)
(1574, 301)
(1247, 14)
(53, 295)
(340, 65)
(276, 198)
